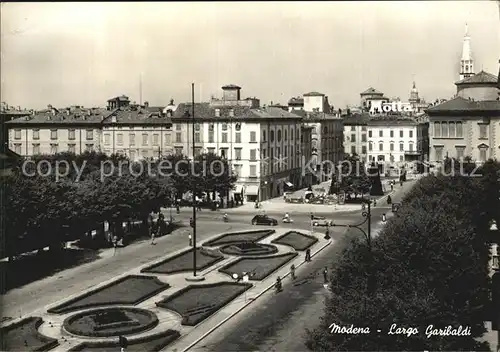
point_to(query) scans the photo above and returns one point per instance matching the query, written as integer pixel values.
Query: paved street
(277, 321)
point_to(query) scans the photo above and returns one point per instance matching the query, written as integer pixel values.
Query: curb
(249, 302)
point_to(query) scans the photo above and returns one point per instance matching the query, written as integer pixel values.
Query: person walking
(292, 272)
(308, 255)
(278, 286)
(327, 233)
(114, 240)
(325, 277)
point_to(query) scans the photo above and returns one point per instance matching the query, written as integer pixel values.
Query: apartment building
(469, 124)
(356, 135)
(261, 144)
(306, 147)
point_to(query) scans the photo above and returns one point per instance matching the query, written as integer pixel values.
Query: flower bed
(249, 248)
(296, 240)
(257, 268)
(109, 322)
(131, 289)
(237, 237)
(24, 336)
(184, 262)
(152, 343)
(195, 303)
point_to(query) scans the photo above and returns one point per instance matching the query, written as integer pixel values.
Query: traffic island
(195, 303)
(296, 240)
(129, 290)
(184, 262)
(238, 237)
(24, 336)
(257, 268)
(152, 343)
(108, 322)
(249, 249)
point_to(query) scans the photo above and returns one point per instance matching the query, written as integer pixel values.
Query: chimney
(146, 104)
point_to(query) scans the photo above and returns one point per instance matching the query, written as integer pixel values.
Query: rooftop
(231, 86)
(460, 104)
(371, 90)
(481, 77)
(314, 94)
(120, 98)
(205, 111)
(296, 101)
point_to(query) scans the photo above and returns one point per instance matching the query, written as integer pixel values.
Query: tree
(213, 174)
(421, 261)
(353, 178)
(375, 182)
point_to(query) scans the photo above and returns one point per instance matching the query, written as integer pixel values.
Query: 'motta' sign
(381, 107)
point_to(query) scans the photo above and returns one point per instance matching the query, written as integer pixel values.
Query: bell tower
(466, 62)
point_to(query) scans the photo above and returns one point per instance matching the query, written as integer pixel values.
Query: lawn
(249, 249)
(184, 262)
(24, 336)
(151, 343)
(236, 237)
(109, 322)
(258, 268)
(195, 303)
(296, 240)
(131, 289)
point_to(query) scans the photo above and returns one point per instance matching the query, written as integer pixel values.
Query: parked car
(264, 220)
(321, 221)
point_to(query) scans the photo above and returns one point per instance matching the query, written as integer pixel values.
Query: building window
(210, 136)
(380, 146)
(178, 137)
(36, 148)
(17, 148)
(401, 158)
(279, 136)
(224, 153)
(237, 169)
(217, 112)
(168, 140)
(353, 149)
(53, 134)
(411, 147)
(401, 147)
(224, 137)
(437, 129)
(263, 136)
(460, 152)
(271, 136)
(353, 128)
(363, 149)
(392, 147)
(89, 147)
(370, 146)
(156, 140)
(381, 133)
(482, 154)
(370, 134)
(253, 154)
(224, 126)
(36, 133)
(237, 153)
(144, 139)
(401, 133)
(131, 137)
(411, 134)
(178, 150)
(197, 127)
(119, 139)
(439, 153)
(107, 139)
(90, 135)
(363, 128)
(253, 170)
(253, 136)
(178, 127)
(197, 138)
(483, 131)
(197, 151)
(211, 150)
(17, 134)
(363, 138)
(72, 148)
(353, 138)
(459, 129)
(133, 155)
(444, 130)
(451, 129)
(238, 126)
(391, 133)
(54, 148)
(286, 135)
(237, 137)
(144, 154)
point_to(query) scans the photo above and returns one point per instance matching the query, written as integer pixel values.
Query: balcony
(412, 152)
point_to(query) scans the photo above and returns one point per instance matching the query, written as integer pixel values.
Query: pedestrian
(312, 216)
(392, 186)
(292, 272)
(198, 205)
(154, 229)
(278, 286)
(114, 240)
(401, 183)
(308, 255)
(178, 208)
(123, 342)
(327, 233)
(325, 276)
(190, 240)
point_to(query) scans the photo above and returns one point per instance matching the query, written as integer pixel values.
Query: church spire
(466, 62)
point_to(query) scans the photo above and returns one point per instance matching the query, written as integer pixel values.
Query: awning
(238, 189)
(289, 184)
(252, 191)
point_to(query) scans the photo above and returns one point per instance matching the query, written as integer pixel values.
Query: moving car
(264, 220)
(321, 221)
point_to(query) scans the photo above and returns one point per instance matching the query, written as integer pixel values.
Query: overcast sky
(85, 53)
